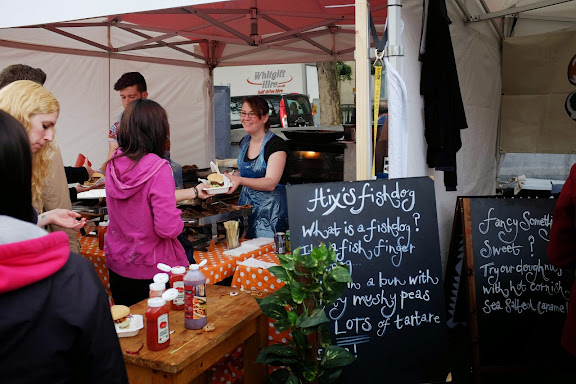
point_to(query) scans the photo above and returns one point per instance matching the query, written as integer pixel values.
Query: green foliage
(312, 282)
(344, 71)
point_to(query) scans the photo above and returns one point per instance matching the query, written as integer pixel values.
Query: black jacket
(75, 175)
(58, 329)
(443, 107)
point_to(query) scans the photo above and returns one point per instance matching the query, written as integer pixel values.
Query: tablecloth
(90, 250)
(253, 278)
(220, 266)
(254, 281)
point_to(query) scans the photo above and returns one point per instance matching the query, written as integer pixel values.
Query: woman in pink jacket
(144, 219)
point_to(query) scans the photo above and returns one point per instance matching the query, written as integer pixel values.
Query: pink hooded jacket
(144, 220)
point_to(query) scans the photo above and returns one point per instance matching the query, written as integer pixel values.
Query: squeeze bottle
(157, 324)
(195, 297)
(177, 282)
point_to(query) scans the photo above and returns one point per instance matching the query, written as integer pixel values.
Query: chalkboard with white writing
(518, 299)
(392, 316)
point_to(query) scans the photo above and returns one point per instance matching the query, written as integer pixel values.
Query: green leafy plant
(312, 282)
(344, 71)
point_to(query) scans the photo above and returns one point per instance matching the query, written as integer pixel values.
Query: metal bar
(524, 8)
(67, 25)
(548, 18)
(184, 10)
(306, 39)
(219, 24)
(464, 10)
(363, 119)
(145, 42)
(77, 38)
(83, 52)
(301, 15)
(181, 33)
(492, 21)
(279, 36)
(165, 44)
(247, 52)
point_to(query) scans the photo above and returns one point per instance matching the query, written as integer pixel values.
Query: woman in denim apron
(260, 177)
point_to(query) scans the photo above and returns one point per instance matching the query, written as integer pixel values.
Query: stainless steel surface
(206, 220)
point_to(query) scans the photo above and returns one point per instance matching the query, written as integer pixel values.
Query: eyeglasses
(248, 114)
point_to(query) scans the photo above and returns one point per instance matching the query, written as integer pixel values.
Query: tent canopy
(239, 32)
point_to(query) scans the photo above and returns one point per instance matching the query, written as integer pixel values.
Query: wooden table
(236, 319)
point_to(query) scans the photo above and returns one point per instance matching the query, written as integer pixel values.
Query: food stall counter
(236, 319)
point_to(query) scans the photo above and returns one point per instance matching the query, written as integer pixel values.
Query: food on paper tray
(216, 180)
(121, 315)
(96, 176)
(217, 183)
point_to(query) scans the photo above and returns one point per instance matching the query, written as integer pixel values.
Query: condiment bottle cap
(179, 270)
(156, 302)
(195, 267)
(157, 286)
(161, 278)
(163, 267)
(170, 294)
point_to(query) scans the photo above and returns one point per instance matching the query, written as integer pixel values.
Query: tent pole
(492, 21)
(363, 119)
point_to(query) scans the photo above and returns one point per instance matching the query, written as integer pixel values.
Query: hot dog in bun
(216, 180)
(121, 315)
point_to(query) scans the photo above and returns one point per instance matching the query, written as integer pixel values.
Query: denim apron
(269, 208)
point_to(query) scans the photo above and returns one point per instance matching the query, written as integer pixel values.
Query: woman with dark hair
(15, 170)
(144, 220)
(261, 163)
(55, 312)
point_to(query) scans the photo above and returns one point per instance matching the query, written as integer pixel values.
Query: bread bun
(216, 180)
(94, 179)
(120, 315)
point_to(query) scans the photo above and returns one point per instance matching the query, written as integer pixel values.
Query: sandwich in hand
(121, 315)
(94, 179)
(216, 180)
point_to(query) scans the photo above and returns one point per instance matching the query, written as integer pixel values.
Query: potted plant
(311, 282)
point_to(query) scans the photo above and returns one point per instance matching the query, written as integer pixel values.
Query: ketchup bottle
(157, 327)
(177, 282)
(195, 297)
(157, 289)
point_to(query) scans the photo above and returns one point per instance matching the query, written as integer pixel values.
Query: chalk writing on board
(508, 285)
(515, 289)
(385, 232)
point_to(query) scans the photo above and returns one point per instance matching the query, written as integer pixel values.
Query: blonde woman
(37, 110)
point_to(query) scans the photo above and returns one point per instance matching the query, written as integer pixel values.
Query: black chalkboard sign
(518, 301)
(392, 316)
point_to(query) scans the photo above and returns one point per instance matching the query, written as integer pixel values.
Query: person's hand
(236, 179)
(81, 188)
(64, 218)
(201, 191)
(87, 166)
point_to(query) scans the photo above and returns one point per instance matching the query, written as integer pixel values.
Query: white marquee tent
(85, 47)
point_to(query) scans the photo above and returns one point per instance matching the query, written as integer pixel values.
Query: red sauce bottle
(177, 282)
(157, 327)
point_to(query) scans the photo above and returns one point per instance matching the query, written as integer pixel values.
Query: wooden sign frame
(468, 281)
